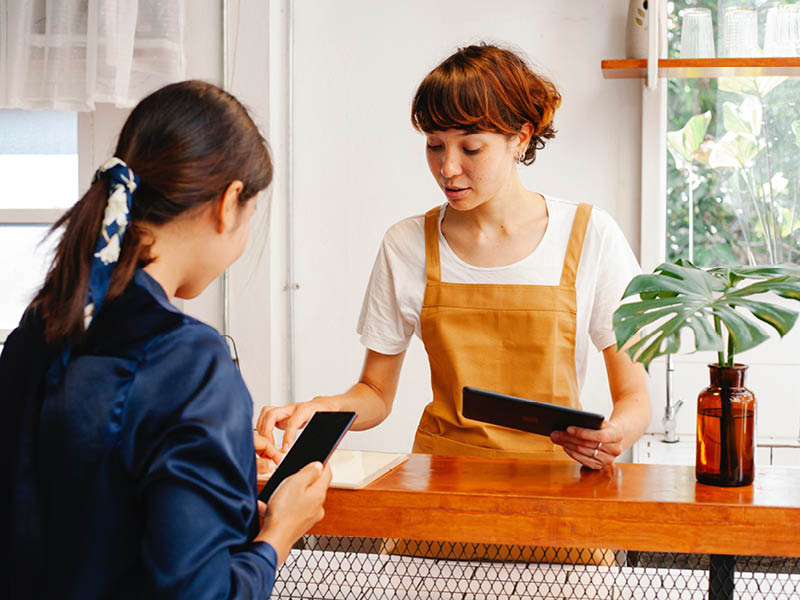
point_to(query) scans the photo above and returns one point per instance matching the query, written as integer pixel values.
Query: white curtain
(70, 54)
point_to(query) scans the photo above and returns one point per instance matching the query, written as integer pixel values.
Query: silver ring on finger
(594, 454)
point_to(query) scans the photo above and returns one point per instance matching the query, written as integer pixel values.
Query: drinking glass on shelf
(781, 33)
(697, 33)
(794, 30)
(740, 31)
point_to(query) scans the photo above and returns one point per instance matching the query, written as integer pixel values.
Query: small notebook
(353, 469)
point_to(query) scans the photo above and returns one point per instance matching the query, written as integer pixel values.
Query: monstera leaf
(684, 143)
(737, 150)
(744, 118)
(789, 224)
(681, 295)
(776, 185)
(756, 86)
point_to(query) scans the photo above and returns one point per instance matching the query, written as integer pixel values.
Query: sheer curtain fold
(71, 54)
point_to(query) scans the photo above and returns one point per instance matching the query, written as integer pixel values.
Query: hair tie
(122, 182)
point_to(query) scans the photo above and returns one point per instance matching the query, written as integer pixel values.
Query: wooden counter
(628, 506)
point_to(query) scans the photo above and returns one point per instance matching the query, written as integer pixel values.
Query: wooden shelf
(636, 68)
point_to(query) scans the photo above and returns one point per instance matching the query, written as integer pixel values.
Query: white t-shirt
(390, 314)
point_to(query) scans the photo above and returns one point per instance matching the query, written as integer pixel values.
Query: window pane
(22, 269)
(38, 159)
(733, 164)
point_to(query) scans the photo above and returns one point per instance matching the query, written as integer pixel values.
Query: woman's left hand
(266, 461)
(593, 448)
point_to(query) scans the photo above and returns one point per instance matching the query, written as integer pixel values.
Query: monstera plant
(724, 310)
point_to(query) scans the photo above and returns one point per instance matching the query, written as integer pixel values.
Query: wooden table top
(626, 506)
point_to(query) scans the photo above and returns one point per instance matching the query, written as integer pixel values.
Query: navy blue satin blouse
(132, 472)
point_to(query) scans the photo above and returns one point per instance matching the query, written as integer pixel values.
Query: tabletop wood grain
(626, 506)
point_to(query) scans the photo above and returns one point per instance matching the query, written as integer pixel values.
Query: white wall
(359, 166)
(248, 76)
(203, 44)
(100, 129)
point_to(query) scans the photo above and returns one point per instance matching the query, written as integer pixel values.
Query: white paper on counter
(353, 469)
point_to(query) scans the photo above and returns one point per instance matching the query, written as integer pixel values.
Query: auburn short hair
(487, 88)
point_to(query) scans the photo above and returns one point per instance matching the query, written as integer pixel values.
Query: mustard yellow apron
(508, 338)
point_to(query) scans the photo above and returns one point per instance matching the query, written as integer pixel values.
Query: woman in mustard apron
(506, 287)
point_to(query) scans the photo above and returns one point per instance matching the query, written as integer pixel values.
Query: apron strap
(575, 245)
(433, 269)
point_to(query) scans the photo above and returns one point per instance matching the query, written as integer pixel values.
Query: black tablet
(526, 415)
(316, 442)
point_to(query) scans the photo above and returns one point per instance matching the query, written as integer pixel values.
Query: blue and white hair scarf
(122, 182)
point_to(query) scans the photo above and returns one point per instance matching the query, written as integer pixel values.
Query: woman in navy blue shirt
(127, 429)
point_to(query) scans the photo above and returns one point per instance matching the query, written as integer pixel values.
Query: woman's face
(471, 168)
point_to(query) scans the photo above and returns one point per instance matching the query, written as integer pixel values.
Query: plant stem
(727, 435)
(730, 349)
(778, 256)
(751, 258)
(691, 214)
(791, 225)
(751, 188)
(760, 187)
(718, 327)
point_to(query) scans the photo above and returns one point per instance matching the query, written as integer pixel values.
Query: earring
(521, 157)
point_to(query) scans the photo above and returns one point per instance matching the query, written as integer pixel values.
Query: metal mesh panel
(344, 568)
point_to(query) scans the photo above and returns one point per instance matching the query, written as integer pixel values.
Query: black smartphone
(526, 415)
(316, 442)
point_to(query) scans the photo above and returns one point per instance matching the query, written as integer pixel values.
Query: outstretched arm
(371, 399)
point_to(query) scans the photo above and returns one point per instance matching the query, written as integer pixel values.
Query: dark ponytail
(186, 142)
(60, 300)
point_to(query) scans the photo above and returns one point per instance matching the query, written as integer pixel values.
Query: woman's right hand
(290, 418)
(371, 399)
(294, 508)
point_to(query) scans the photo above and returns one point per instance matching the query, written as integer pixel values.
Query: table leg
(720, 577)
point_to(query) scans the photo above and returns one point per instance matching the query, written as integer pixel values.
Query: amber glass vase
(726, 429)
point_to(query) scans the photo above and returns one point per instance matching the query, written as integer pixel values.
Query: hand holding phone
(316, 443)
(294, 508)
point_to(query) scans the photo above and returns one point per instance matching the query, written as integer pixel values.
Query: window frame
(48, 216)
(30, 216)
(653, 251)
(654, 177)
(27, 216)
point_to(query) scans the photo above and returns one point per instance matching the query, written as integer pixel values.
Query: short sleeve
(189, 447)
(393, 300)
(616, 266)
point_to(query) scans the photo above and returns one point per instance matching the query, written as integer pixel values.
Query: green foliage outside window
(734, 151)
